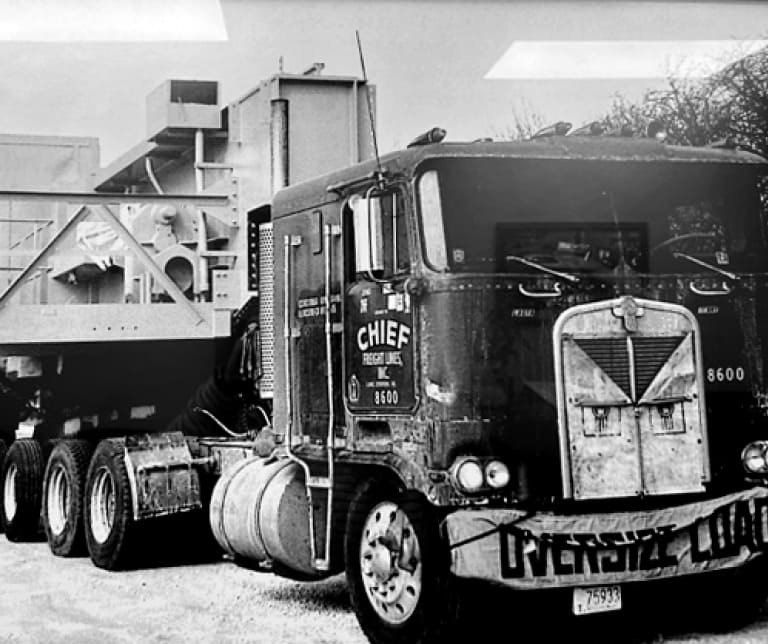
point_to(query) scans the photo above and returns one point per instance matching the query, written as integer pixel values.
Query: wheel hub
(391, 563)
(58, 499)
(102, 515)
(381, 562)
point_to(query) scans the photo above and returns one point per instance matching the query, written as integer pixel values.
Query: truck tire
(3, 452)
(22, 490)
(111, 533)
(732, 599)
(398, 568)
(63, 500)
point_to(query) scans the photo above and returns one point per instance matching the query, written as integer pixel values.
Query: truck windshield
(577, 217)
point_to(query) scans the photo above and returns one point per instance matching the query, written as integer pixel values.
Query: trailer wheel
(22, 489)
(63, 487)
(110, 530)
(398, 568)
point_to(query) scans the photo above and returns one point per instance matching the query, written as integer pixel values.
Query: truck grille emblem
(630, 311)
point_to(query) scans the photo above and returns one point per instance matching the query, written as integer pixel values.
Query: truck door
(379, 355)
(316, 315)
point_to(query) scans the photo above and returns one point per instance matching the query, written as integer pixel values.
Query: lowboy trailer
(537, 364)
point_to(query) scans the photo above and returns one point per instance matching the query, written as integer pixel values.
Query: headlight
(468, 474)
(754, 457)
(496, 474)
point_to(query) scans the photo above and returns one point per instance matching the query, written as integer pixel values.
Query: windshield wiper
(622, 265)
(542, 268)
(701, 262)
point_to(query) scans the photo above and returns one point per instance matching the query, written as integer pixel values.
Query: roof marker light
(625, 131)
(595, 128)
(728, 143)
(435, 135)
(560, 128)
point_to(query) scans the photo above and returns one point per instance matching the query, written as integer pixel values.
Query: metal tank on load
(129, 302)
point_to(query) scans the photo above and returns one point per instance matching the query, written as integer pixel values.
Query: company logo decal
(387, 332)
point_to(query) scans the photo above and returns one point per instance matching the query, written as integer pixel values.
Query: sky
(85, 67)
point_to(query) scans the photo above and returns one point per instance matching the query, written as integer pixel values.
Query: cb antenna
(379, 172)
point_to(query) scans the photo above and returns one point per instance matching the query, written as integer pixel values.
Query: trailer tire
(398, 568)
(22, 490)
(3, 452)
(63, 497)
(111, 533)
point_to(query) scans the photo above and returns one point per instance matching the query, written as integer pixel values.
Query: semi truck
(535, 364)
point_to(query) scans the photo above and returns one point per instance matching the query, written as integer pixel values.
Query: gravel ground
(47, 599)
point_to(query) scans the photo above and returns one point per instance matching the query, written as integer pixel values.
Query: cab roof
(326, 188)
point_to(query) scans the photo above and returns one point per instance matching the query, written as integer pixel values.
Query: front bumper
(545, 550)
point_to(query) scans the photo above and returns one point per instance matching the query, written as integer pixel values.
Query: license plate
(596, 599)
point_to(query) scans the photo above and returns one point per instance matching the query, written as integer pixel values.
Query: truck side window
(380, 235)
(432, 221)
(397, 259)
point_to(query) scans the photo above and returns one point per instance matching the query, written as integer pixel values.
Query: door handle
(555, 292)
(724, 290)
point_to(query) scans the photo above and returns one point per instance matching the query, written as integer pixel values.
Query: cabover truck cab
(535, 364)
(539, 364)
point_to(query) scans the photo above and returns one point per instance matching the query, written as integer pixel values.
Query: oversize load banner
(545, 550)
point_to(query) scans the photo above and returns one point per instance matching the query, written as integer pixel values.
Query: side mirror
(367, 221)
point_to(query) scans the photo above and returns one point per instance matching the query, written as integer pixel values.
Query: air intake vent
(651, 354)
(611, 355)
(266, 310)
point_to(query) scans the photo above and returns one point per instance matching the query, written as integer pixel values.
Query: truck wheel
(732, 599)
(110, 531)
(63, 487)
(22, 488)
(398, 568)
(3, 452)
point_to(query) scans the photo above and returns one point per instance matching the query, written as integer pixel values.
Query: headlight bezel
(473, 475)
(755, 451)
(497, 474)
(465, 467)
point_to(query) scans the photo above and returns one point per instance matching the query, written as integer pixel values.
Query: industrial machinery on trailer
(538, 364)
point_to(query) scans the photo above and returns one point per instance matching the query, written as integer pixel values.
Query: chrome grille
(612, 356)
(651, 354)
(630, 395)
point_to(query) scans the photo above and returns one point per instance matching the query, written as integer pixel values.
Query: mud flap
(162, 477)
